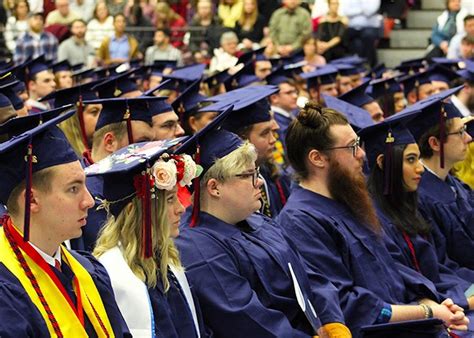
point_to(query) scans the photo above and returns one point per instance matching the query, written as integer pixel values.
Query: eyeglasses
(461, 132)
(290, 92)
(255, 174)
(354, 147)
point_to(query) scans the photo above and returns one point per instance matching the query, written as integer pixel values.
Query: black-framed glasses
(461, 132)
(254, 174)
(353, 147)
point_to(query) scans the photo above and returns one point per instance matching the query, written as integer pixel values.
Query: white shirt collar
(49, 259)
(281, 111)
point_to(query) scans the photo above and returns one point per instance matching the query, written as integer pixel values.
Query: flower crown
(170, 170)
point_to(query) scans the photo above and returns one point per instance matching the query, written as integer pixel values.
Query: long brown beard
(350, 189)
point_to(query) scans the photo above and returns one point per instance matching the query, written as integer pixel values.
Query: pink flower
(165, 175)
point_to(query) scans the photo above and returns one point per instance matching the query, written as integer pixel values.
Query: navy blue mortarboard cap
(42, 146)
(116, 86)
(385, 86)
(453, 64)
(83, 74)
(9, 88)
(358, 118)
(279, 75)
(37, 65)
(243, 77)
(166, 84)
(187, 73)
(116, 110)
(61, 66)
(353, 60)
(186, 103)
(470, 127)
(412, 66)
(345, 69)
(253, 55)
(217, 78)
(430, 112)
(208, 145)
(377, 71)
(158, 106)
(357, 95)
(73, 95)
(425, 328)
(441, 73)
(411, 82)
(250, 106)
(159, 66)
(4, 101)
(321, 76)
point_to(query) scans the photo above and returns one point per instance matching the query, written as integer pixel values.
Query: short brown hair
(118, 129)
(425, 148)
(310, 130)
(40, 180)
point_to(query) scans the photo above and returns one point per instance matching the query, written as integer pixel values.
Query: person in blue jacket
(249, 279)
(331, 219)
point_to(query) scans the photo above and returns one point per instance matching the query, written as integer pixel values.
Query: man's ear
(434, 143)
(35, 200)
(212, 187)
(380, 161)
(110, 142)
(316, 158)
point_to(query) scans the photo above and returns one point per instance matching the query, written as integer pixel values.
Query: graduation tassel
(388, 164)
(126, 117)
(28, 183)
(143, 185)
(197, 190)
(442, 135)
(82, 126)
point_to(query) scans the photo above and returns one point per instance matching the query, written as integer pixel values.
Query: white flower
(190, 170)
(165, 174)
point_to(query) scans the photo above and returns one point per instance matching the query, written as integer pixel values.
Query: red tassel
(126, 117)
(197, 191)
(280, 192)
(143, 184)
(28, 180)
(80, 115)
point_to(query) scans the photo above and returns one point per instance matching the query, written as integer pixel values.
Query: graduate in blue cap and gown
(80, 128)
(417, 86)
(251, 119)
(47, 290)
(40, 82)
(121, 122)
(389, 95)
(358, 97)
(136, 244)
(321, 81)
(62, 74)
(333, 223)
(441, 78)
(396, 170)
(249, 279)
(441, 135)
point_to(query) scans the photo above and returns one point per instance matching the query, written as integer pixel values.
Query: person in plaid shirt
(36, 41)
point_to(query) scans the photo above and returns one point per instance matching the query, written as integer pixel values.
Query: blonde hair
(126, 230)
(248, 20)
(231, 164)
(72, 129)
(170, 14)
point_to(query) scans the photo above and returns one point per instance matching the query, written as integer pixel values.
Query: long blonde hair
(72, 129)
(126, 230)
(248, 20)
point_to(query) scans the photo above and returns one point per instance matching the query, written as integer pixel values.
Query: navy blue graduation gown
(172, 316)
(449, 204)
(19, 317)
(351, 256)
(278, 190)
(422, 258)
(283, 122)
(241, 277)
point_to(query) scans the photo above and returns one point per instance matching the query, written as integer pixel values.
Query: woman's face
(174, 210)
(412, 167)
(249, 6)
(399, 102)
(102, 11)
(22, 9)
(241, 194)
(64, 79)
(309, 47)
(454, 5)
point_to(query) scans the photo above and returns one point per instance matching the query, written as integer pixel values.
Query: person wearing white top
(100, 27)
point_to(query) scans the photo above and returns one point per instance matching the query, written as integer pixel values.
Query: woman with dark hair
(396, 169)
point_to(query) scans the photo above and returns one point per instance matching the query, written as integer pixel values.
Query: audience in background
(101, 26)
(162, 49)
(17, 23)
(249, 27)
(230, 11)
(330, 33)
(166, 17)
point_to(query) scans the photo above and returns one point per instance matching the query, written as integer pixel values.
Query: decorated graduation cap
(413, 82)
(138, 170)
(358, 118)
(116, 86)
(206, 146)
(186, 104)
(380, 138)
(76, 96)
(441, 73)
(357, 95)
(428, 113)
(61, 66)
(35, 145)
(124, 109)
